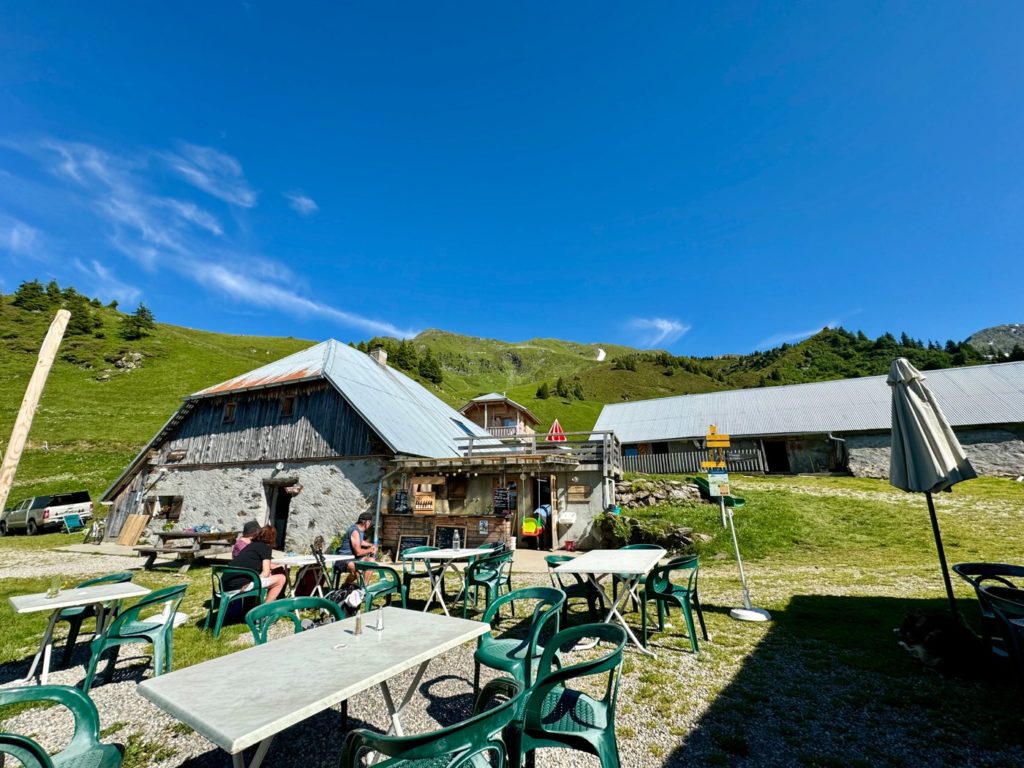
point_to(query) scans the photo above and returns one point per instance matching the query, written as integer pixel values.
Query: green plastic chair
(129, 627)
(479, 742)
(487, 572)
(387, 585)
(578, 589)
(660, 588)
(511, 654)
(76, 615)
(261, 618)
(992, 575)
(419, 569)
(84, 749)
(1007, 604)
(221, 598)
(618, 581)
(555, 716)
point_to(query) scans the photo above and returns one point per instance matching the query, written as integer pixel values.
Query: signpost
(718, 485)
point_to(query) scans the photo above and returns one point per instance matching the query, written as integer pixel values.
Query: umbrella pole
(942, 556)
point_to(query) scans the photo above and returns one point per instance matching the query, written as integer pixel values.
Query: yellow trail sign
(712, 465)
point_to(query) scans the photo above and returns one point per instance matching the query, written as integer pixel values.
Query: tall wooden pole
(28, 406)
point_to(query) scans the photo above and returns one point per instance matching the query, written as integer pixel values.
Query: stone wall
(631, 494)
(993, 451)
(332, 496)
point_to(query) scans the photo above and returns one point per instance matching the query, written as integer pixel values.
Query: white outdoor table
(309, 562)
(632, 565)
(206, 696)
(69, 598)
(448, 558)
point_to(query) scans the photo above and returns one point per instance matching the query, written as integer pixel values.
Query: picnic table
(301, 675)
(632, 565)
(187, 546)
(69, 598)
(448, 558)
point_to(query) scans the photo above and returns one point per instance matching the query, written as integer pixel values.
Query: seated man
(354, 543)
(248, 531)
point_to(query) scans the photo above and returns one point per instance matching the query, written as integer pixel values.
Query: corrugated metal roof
(977, 395)
(406, 415)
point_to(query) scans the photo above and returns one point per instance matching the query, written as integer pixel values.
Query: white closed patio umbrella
(926, 455)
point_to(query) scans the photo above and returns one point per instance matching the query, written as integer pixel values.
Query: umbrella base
(750, 614)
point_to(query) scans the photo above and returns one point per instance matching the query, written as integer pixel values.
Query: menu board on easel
(444, 536)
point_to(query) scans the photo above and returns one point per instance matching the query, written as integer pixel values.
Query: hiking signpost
(718, 485)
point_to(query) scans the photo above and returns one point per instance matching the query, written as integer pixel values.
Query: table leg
(396, 712)
(238, 759)
(437, 590)
(614, 611)
(45, 646)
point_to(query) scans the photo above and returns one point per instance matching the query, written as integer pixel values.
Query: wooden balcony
(598, 451)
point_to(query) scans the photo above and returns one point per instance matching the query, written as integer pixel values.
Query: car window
(39, 502)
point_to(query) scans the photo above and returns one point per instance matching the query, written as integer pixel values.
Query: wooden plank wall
(393, 526)
(323, 425)
(689, 462)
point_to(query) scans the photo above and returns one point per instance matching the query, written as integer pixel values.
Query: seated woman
(256, 556)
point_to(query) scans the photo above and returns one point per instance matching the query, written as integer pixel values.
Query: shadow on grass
(830, 686)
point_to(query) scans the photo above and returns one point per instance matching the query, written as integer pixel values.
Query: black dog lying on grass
(942, 643)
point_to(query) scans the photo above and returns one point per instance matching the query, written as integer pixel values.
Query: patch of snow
(600, 354)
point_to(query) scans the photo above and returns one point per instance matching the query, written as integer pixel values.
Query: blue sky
(705, 178)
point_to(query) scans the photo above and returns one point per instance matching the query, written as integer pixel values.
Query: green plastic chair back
(387, 584)
(221, 597)
(488, 572)
(1007, 604)
(261, 618)
(84, 748)
(79, 613)
(516, 656)
(478, 741)
(560, 717)
(660, 588)
(130, 627)
(415, 568)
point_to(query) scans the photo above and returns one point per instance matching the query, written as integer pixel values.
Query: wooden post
(28, 406)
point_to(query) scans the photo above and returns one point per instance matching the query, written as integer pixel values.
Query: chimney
(379, 356)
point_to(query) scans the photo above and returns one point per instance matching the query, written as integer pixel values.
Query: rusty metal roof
(406, 415)
(972, 396)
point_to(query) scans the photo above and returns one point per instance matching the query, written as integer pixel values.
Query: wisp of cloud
(657, 330)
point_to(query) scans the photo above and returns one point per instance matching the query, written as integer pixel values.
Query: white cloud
(787, 337)
(173, 235)
(106, 284)
(657, 330)
(19, 239)
(302, 204)
(214, 172)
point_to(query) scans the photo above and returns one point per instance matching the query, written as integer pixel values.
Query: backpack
(349, 597)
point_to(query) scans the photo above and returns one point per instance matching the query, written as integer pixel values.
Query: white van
(41, 512)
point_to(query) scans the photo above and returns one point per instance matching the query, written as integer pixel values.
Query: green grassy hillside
(96, 412)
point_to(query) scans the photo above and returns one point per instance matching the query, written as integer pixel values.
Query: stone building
(310, 441)
(828, 426)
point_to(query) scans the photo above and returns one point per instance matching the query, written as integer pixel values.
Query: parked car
(41, 512)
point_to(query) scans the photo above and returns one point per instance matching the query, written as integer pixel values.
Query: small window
(229, 412)
(287, 407)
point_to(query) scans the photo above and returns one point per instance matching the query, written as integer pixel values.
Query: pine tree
(561, 390)
(81, 322)
(543, 391)
(54, 294)
(406, 357)
(430, 369)
(137, 324)
(30, 296)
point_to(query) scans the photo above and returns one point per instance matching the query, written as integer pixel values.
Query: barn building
(310, 441)
(828, 426)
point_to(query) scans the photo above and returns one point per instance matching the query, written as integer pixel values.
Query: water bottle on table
(456, 541)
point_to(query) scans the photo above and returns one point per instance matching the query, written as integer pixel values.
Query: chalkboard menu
(401, 504)
(444, 536)
(501, 500)
(406, 541)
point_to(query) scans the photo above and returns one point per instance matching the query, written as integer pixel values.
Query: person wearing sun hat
(248, 531)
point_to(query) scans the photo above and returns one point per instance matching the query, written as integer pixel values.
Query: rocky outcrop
(619, 530)
(632, 494)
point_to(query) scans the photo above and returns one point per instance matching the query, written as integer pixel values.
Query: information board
(445, 534)
(718, 484)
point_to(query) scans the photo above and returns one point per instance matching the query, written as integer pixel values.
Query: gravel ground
(756, 695)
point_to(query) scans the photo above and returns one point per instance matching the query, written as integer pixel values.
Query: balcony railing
(689, 462)
(593, 448)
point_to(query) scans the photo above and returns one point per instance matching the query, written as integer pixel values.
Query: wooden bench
(185, 555)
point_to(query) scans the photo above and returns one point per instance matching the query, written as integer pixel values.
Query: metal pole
(942, 556)
(748, 612)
